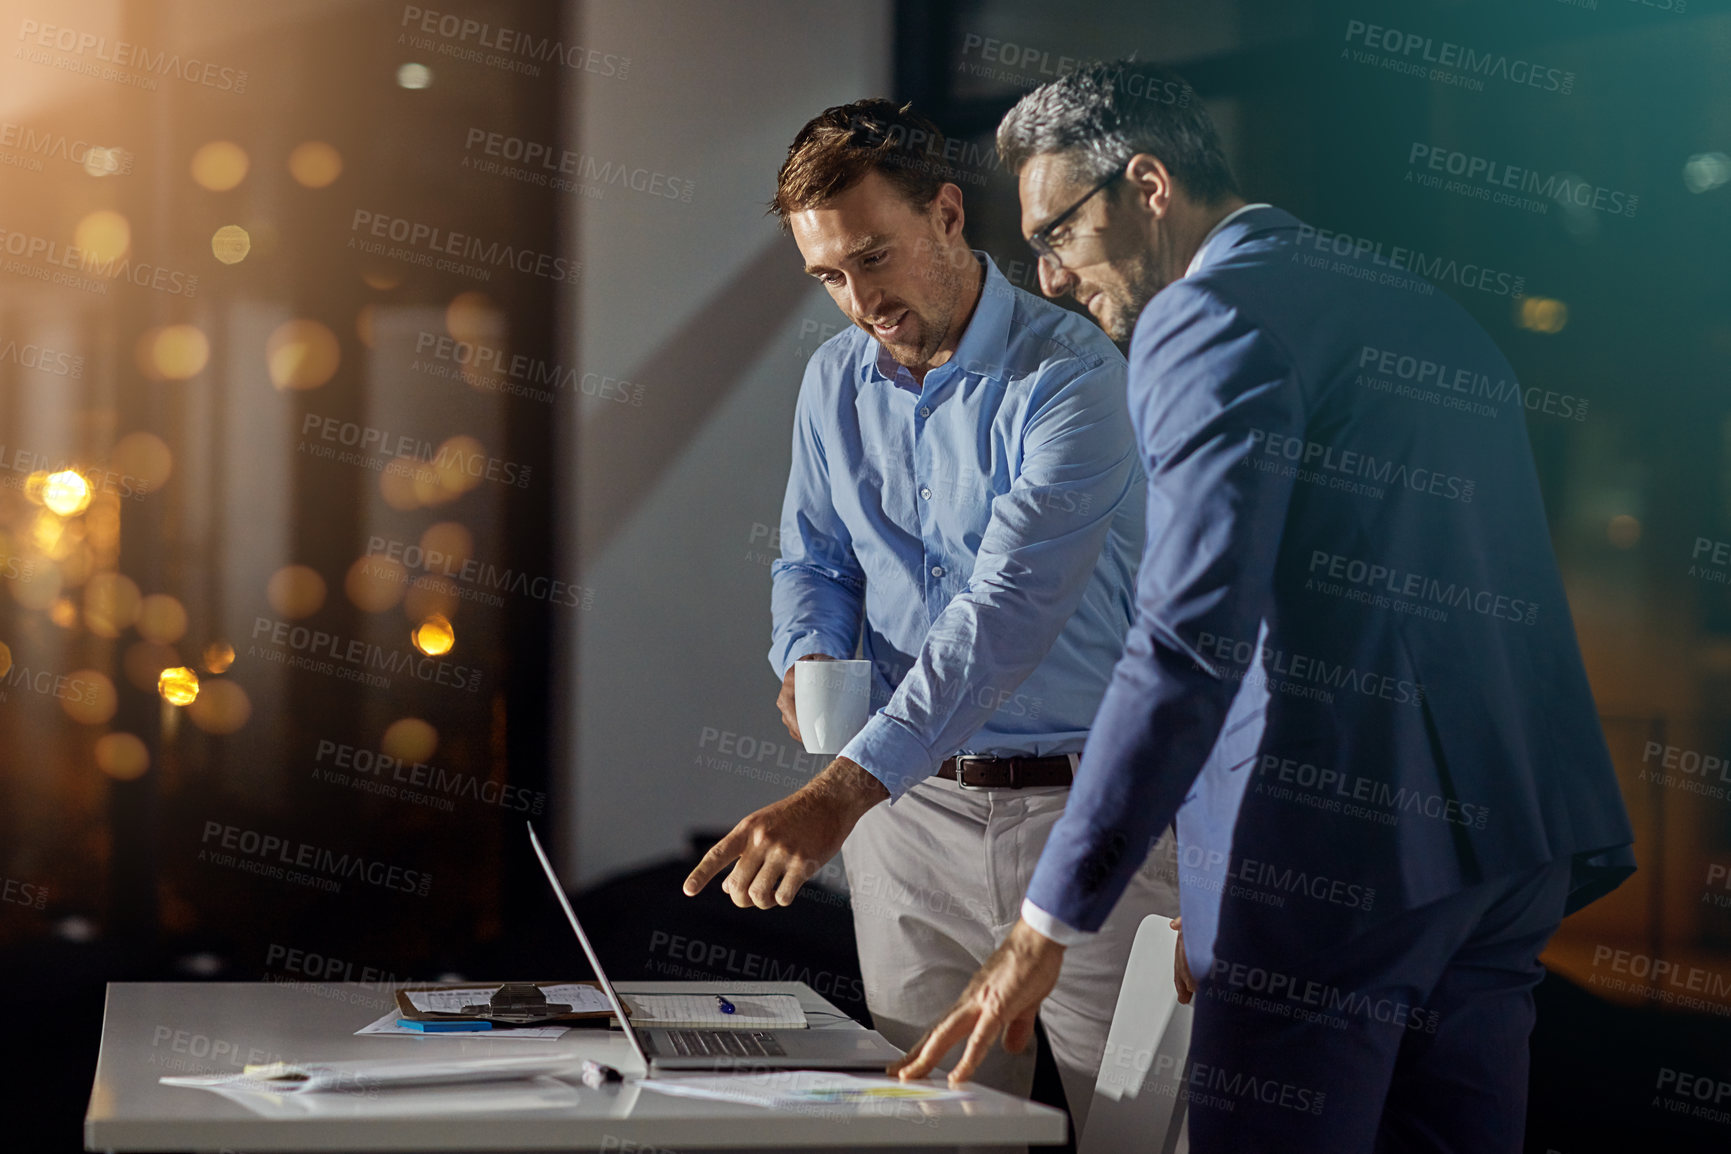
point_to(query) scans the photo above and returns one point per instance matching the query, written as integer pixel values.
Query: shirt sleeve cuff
(890, 752)
(803, 646)
(1048, 926)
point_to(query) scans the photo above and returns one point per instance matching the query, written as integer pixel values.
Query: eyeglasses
(1040, 240)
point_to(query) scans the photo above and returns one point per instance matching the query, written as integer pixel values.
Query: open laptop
(733, 1050)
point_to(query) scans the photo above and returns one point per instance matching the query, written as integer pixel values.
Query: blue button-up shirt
(984, 527)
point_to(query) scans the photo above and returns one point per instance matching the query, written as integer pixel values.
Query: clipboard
(504, 1004)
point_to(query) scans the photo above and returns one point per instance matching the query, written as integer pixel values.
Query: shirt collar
(1196, 261)
(985, 343)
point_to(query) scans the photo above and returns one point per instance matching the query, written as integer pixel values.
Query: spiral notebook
(703, 1011)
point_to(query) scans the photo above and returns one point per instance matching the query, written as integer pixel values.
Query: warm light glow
(92, 700)
(63, 613)
(472, 317)
(104, 235)
(410, 739)
(174, 352)
(34, 484)
(230, 243)
(162, 619)
(315, 164)
(376, 583)
(447, 546)
(223, 707)
(397, 483)
(48, 534)
(1541, 314)
(434, 636)
(296, 591)
(1624, 531)
(66, 493)
(218, 656)
(145, 661)
(122, 756)
(178, 685)
(302, 354)
(380, 279)
(364, 321)
(459, 466)
(39, 587)
(431, 596)
(414, 76)
(5, 659)
(219, 165)
(111, 603)
(143, 461)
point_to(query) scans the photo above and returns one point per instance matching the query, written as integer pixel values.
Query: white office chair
(1136, 1108)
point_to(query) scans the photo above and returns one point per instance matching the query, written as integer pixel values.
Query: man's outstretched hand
(781, 846)
(1000, 1002)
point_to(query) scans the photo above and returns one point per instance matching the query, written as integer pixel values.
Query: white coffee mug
(831, 701)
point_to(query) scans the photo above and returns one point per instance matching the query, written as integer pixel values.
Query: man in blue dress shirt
(965, 508)
(1352, 676)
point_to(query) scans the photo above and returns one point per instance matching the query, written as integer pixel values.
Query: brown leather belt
(1008, 772)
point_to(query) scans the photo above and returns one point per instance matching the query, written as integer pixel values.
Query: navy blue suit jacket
(1352, 677)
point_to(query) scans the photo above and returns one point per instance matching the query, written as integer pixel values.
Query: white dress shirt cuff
(1050, 927)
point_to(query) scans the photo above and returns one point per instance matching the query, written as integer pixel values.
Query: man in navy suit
(1352, 676)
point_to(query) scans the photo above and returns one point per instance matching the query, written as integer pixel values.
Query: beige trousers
(937, 881)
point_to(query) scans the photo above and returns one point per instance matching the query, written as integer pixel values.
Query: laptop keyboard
(724, 1044)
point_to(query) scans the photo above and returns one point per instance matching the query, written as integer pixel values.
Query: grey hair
(1101, 115)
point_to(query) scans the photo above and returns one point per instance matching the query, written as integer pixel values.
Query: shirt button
(925, 493)
(937, 570)
(925, 410)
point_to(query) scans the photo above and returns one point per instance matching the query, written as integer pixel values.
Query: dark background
(1628, 313)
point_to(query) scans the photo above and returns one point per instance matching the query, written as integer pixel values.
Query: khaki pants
(938, 880)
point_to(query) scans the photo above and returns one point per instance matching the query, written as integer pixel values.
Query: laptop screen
(588, 950)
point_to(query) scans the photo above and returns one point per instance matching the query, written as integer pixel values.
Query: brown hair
(836, 148)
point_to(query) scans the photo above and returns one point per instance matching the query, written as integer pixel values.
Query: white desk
(151, 1029)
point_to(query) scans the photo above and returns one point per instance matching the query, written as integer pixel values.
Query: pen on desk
(726, 1006)
(595, 1075)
